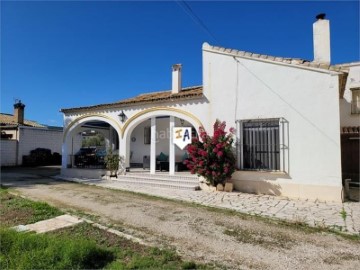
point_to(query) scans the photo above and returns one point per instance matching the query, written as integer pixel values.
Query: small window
(147, 135)
(262, 144)
(355, 101)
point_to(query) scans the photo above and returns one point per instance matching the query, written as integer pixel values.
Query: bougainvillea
(212, 156)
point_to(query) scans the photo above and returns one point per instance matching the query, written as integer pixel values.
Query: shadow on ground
(28, 176)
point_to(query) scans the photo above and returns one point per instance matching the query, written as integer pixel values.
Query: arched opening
(140, 144)
(146, 151)
(86, 142)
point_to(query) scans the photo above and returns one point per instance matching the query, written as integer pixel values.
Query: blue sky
(62, 54)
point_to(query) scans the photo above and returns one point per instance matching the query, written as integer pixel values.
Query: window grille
(261, 144)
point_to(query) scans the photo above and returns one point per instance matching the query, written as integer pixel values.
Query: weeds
(15, 210)
(30, 251)
(264, 239)
(129, 255)
(343, 215)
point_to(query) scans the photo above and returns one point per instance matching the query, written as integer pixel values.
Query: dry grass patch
(264, 239)
(340, 257)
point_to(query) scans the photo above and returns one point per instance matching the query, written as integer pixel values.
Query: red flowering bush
(212, 156)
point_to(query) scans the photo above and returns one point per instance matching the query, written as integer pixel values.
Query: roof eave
(312, 66)
(120, 105)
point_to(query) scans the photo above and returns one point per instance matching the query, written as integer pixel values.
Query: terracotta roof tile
(8, 119)
(184, 94)
(293, 61)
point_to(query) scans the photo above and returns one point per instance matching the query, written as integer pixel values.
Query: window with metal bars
(260, 144)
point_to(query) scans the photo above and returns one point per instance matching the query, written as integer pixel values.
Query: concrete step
(157, 175)
(158, 182)
(186, 181)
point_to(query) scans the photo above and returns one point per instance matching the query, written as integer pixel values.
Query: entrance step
(186, 182)
(164, 175)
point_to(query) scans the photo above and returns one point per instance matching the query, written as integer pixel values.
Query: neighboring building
(19, 136)
(289, 116)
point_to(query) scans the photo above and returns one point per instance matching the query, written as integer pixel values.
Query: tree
(93, 140)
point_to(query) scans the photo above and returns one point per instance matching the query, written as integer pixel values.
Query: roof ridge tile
(186, 93)
(293, 61)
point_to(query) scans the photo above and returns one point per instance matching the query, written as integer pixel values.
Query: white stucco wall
(139, 148)
(238, 89)
(32, 138)
(353, 81)
(248, 89)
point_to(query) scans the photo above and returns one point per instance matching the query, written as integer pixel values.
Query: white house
(289, 115)
(19, 136)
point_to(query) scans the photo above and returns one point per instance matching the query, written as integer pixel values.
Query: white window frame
(283, 144)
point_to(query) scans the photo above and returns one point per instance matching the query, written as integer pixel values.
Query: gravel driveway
(202, 234)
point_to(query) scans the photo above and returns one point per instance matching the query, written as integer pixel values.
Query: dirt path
(198, 233)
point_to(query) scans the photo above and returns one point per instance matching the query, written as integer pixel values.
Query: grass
(83, 247)
(129, 255)
(80, 247)
(15, 210)
(31, 251)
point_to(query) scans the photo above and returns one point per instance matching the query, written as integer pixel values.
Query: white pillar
(153, 146)
(111, 139)
(171, 147)
(124, 149)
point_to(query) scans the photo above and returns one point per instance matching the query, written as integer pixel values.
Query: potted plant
(212, 157)
(112, 162)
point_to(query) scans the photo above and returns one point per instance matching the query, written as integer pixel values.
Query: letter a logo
(186, 136)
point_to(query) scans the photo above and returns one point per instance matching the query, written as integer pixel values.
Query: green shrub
(112, 162)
